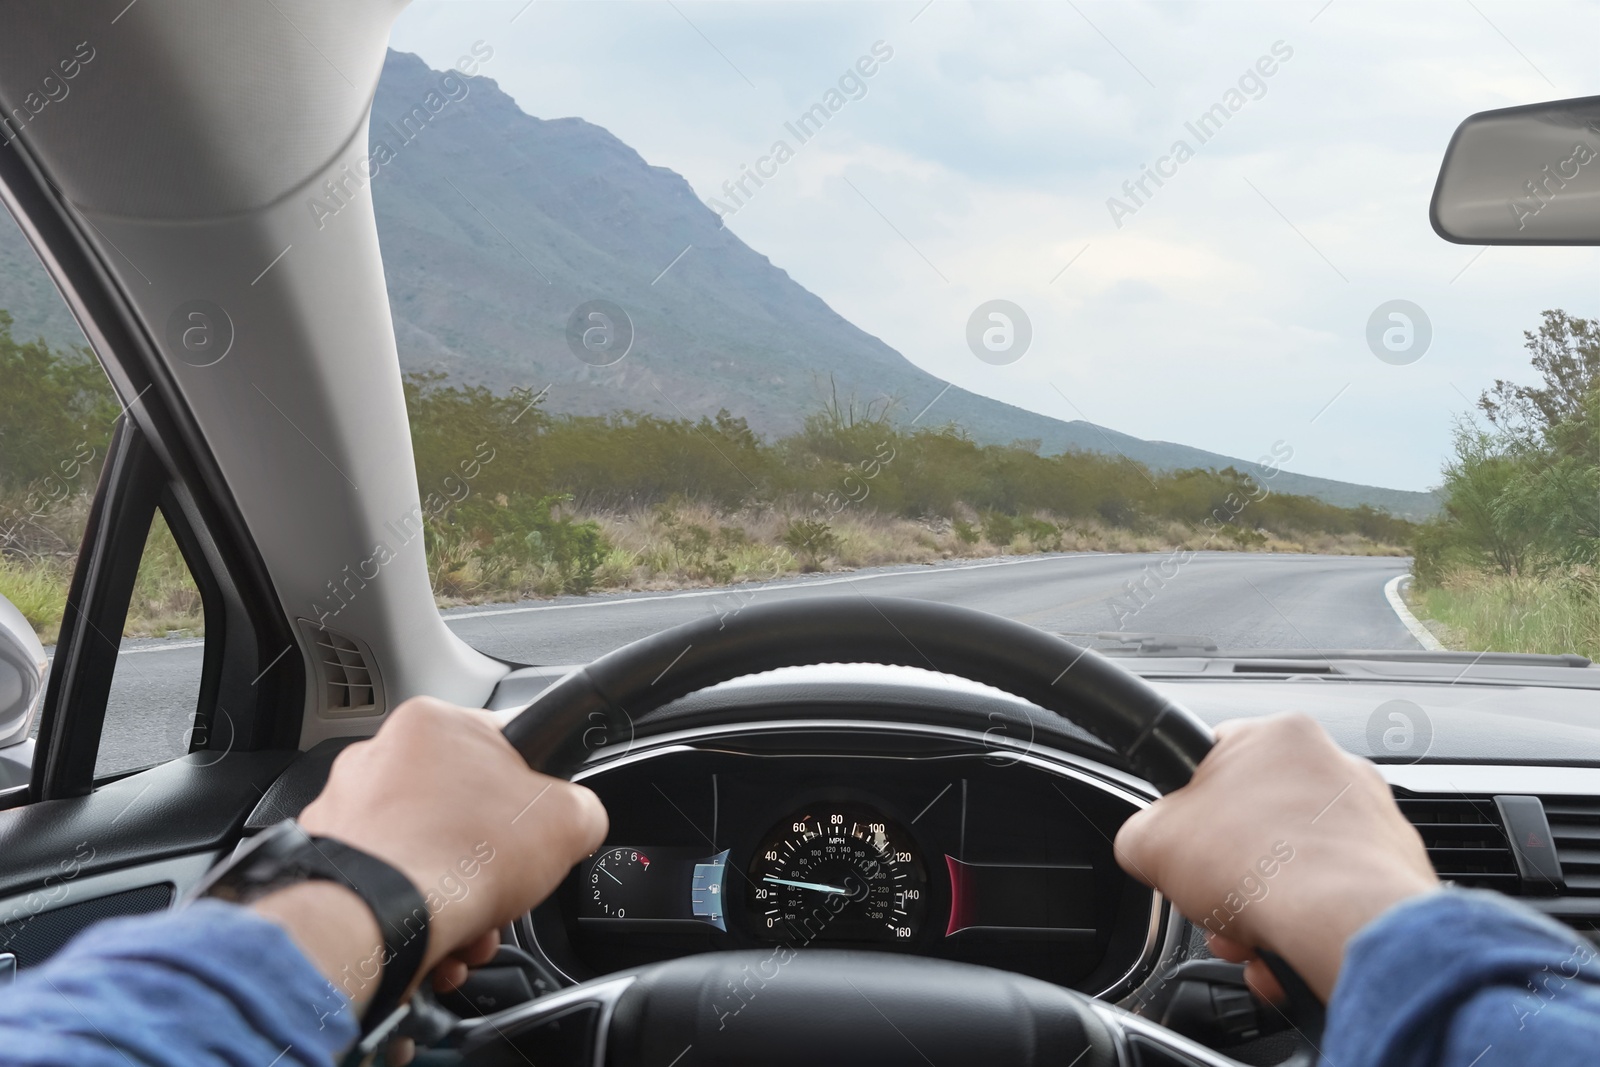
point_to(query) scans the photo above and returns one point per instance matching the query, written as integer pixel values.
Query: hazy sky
(1228, 310)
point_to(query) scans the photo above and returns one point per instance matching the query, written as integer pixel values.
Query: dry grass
(165, 601)
(38, 588)
(666, 548)
(1553, 612)
(694, 545)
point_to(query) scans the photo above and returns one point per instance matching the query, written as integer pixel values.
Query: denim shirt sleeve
(211, 984)
(1464, 977)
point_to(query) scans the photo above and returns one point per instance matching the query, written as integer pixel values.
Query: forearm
(335, 930)
(1459, 978)
(213, 983)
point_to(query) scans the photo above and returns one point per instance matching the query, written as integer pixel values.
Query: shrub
(811, 540)
(1000, 529)
(526, 531)
(1046, 536)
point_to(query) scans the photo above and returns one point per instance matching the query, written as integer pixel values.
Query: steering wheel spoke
(569, 1027)
(796, 1004)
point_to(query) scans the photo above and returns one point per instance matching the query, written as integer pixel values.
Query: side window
(57, 413)
(150, 716)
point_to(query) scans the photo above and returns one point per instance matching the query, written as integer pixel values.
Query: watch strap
(401, 911)
(284, 855)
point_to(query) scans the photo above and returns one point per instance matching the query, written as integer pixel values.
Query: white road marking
(50, 653)
(1423, 635)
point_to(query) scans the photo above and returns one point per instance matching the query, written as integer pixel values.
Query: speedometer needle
(808, 885)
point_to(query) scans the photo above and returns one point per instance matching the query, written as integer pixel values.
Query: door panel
(188, 806)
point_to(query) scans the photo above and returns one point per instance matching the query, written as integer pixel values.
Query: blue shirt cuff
(1408, 975)
(212, 983)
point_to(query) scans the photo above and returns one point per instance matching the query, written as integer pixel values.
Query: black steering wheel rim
(595, 708)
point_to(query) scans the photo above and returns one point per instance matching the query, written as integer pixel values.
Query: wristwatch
(285, 855)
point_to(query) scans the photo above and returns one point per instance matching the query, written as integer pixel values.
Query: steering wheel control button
(999, 332)
(199, 333)
(838, 873)
(1399, 332)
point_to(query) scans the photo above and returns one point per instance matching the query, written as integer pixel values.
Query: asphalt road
(1236, 600)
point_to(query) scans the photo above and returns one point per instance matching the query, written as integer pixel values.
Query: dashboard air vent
(1467, 843)
(1465, 840)
(347, 677)
(1575, 829)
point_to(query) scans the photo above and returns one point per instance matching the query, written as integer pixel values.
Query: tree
(54, 408)
(1566, 353)
(1525, 493)
(1475, 481)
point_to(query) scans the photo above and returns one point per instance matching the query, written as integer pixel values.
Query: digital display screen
(640, 884)
(1021, 897)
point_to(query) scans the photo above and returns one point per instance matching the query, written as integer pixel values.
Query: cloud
(1225, 313)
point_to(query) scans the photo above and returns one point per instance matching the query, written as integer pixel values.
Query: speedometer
(838, 873)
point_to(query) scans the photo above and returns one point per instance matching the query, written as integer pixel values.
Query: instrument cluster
(968, 856)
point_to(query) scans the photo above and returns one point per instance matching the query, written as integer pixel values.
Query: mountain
(497, 225)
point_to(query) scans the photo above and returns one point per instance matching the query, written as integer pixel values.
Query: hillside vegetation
(526, 502)
(1513, 564)
(522, 502)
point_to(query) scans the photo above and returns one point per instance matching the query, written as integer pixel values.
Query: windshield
(1124, 321)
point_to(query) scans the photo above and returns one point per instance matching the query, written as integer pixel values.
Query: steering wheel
(801, 1005)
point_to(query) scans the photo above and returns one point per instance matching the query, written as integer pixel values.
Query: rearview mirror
(1523, 176)
(22, 671)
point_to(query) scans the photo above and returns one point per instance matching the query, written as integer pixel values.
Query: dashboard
(888, 839)
(899, 811)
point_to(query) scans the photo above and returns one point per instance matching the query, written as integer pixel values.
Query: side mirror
(1522, 176)
(22, 671)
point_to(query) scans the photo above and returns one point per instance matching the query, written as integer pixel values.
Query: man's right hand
(1282, 841)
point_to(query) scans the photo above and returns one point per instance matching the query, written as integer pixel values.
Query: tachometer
(838, 873)
(618, 879)
(659, 885)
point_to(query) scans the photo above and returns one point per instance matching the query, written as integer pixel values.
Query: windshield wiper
(1114, 643)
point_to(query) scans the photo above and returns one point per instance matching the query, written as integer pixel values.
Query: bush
(811, 540)
(1000, 529)
(696, 551)
(1520, 495)
(525, 533)
(1046, 536)
(846, 455)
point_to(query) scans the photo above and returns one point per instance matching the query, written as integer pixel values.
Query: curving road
(1236, 600)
